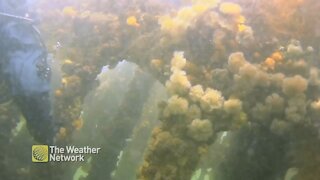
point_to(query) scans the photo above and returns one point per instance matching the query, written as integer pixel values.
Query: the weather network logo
(40, 153)
(45, 153)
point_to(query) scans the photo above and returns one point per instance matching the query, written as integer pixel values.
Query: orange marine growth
(277, 56)
(241, 23)
(58, 93)
(242, 27)
(77, 124)
(270, 63)
(199, 8)
(132, 21)
(230, 9)
(69, 11)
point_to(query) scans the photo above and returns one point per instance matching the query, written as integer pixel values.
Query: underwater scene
(159, 90)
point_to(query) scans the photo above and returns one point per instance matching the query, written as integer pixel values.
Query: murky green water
(166, 90)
